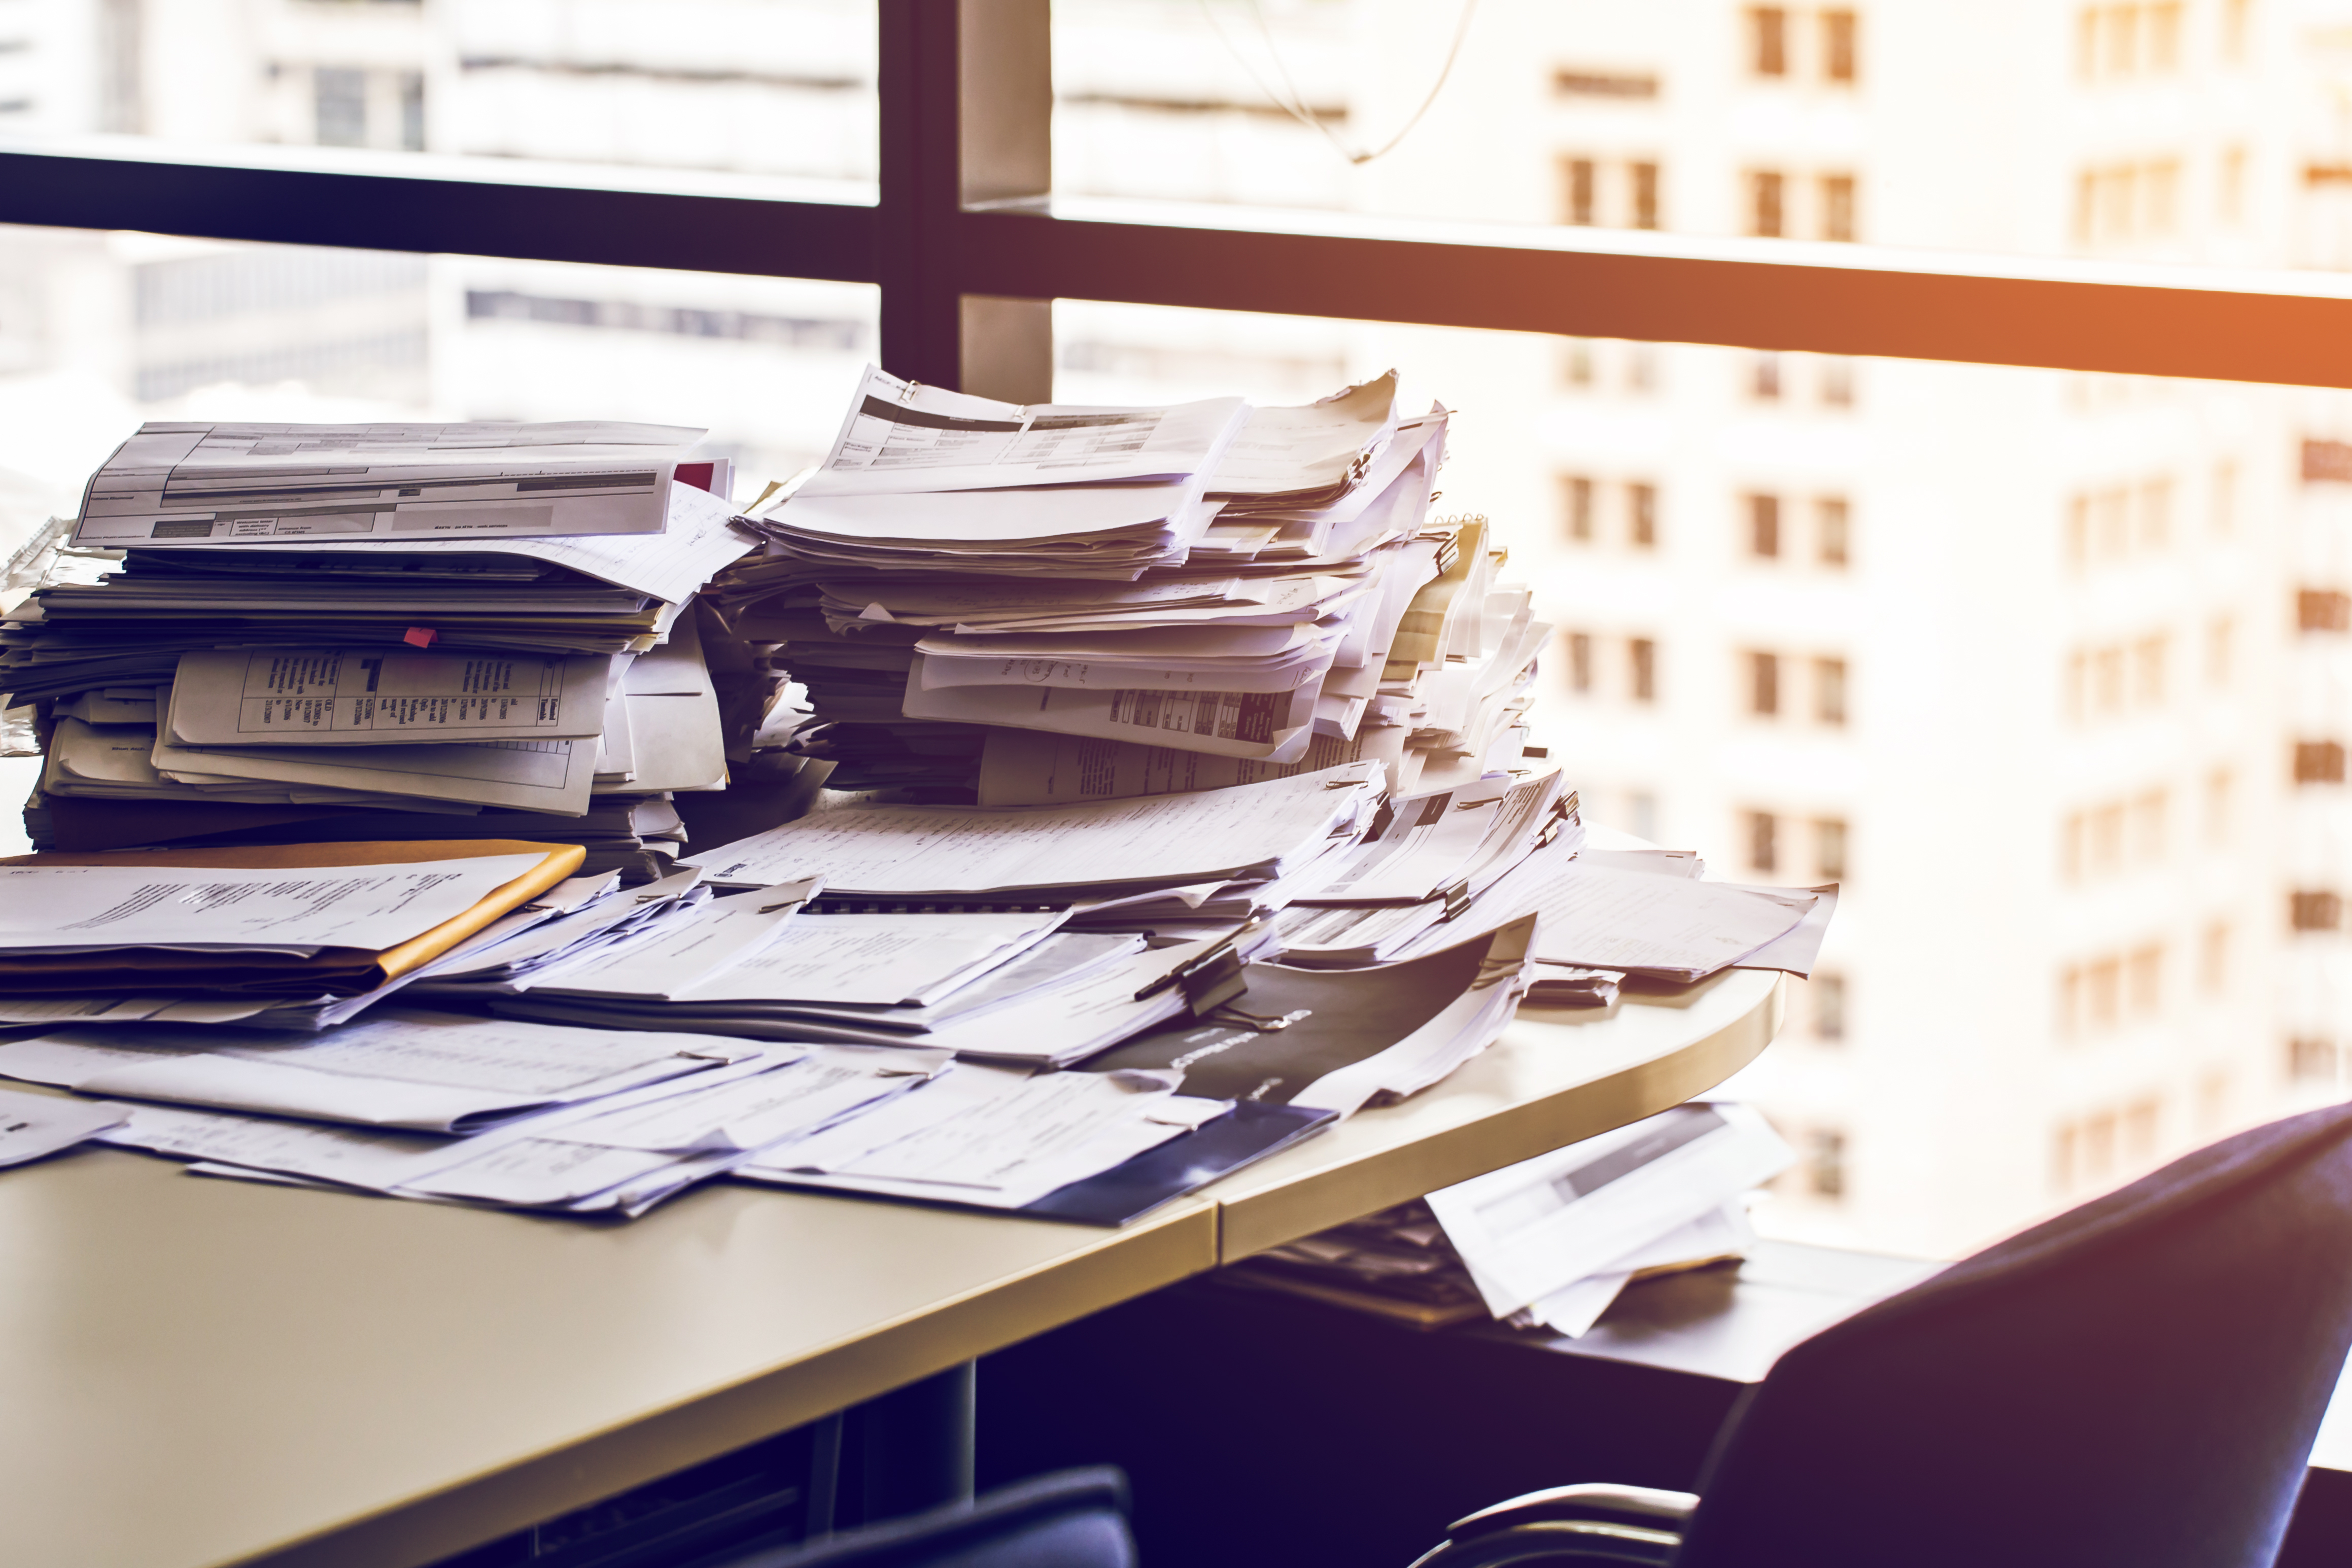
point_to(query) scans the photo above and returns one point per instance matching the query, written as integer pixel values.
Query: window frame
(968, 246)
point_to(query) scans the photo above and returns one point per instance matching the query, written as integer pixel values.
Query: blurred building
(2048, 671)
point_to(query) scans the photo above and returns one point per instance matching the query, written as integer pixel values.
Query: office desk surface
(197, 1372)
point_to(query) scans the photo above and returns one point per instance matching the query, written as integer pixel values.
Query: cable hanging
(1292, 102)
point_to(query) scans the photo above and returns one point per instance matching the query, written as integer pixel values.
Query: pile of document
(1548, 1242)
(309, 633)
(1117, 796)
(1040, 605)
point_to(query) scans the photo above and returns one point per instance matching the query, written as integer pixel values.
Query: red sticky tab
(420, 636)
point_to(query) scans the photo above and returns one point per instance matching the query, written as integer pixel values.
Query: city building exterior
(2047, 671)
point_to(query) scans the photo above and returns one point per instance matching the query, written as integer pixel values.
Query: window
(1829, 848)
(1764, 526)
(2214, 958)
(2218, 645)
(1764, 189)
(2156, 515)
(1642, 506)
(412, 111)
(1576, 495)
(1837, 382)
(2319, 911)
(2164, 36)
(2318, 762)
(1576, 363)
(2147, 814)
(2078, 531)
(2070, 848)
(2069, 1001)
(1828, 994)
(1576, 191)
(1837, 46)
(1830, 520)
(1641, 659)
(2103, 993)
(1642, 814)
(2108, 841)
(2123, 40)
(1764, 377)
(2147, 978)
(1829, 690)
(1825, 1163)
(1580, 660)
(2323, 609)
(2148, 671)
(2233, 28)
(2107, 680)
(341, 107)
(2311, 1060)
(1763, 841)
(1764, 683)
(2217, 806)
(1644, 177)
(1768, 39)
(1837, 206)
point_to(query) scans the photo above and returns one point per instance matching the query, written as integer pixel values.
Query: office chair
(1075, 1519)
(2134, 1382)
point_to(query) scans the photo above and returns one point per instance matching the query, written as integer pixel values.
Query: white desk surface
(197, 1372)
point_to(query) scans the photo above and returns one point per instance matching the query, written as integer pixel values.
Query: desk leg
(919, 1445)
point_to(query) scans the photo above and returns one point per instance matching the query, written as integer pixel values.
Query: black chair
(2136, 1384)
(1076, 1519)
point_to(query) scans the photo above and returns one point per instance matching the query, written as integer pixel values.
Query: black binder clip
(1457, 899)
(1209, 980)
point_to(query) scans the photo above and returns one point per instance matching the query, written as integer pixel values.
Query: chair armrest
(1590, 1522)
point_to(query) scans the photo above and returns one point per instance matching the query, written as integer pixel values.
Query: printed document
(1168, 840)
(799, 1093)
(900, 436)
(431, 1071)
(194, 484)
(373, 696)
(33, 1125)
(297, 910)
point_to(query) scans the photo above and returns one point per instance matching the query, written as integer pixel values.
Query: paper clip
(1209, 980)
(1457, 899)
(1234, 1017)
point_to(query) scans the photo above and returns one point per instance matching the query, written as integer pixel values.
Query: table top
(202, 1372)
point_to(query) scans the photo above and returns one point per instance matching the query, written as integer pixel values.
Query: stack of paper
(1043, 605)
(314, 634)
(1551, 1241)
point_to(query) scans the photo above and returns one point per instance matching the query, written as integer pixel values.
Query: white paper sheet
(68, 909)
(900, 436)
(190, 484)
(1034, 767)
(527, 775)
(796, 1096)
(430, 1071)
(34, 1125)
(371, 696)
(1170, 840)
(880, 959)
(687, 951)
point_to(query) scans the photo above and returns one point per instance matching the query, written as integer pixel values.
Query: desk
(202, 1372)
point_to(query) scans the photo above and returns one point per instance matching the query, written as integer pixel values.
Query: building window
(1829, 690)
(2070, 848)
(1576, 189)
(2106, 840)
(2219, 642)
(1837, 380)
(1764, 189)
(2311, 1060)
(1763, 840)
(1764, 683)
(2103, 993)
(2318, 762)
(1576, 495)
(1645, 814)
(1764, 377)
(2225, 497)
(1838, 63)
(2164, 36)
(2148, 670)
(2156, 514)
(1768, 31)
(1837, 206)
(1764, 526)
(2214, 958)
(1825, 1163)
(2314, 910)
(412, 111)
(1641, 505)
(1645, 193)
(1580, 660)
(2323, 609)
(1828, 993)
(1642, 660)
(2145, 971)
(341, 104)
(1642, 367)
(1829, 848)
(1831, 518)
(2147, 814)
(2070, 1002)
(2217, 807)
